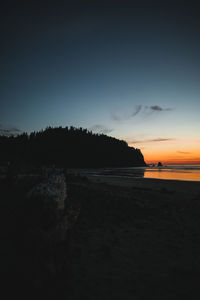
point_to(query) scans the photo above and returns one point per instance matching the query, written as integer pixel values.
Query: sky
(128, 69)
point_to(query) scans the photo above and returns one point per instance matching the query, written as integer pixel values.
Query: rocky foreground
(126, 241)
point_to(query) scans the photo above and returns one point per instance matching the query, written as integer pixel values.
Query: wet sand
(143, 183)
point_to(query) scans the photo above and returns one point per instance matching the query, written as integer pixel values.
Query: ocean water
(174, 172)
(170, 172)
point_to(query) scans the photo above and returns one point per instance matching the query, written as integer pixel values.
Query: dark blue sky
(102, 66)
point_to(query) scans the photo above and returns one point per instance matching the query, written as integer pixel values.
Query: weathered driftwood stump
(50, 220)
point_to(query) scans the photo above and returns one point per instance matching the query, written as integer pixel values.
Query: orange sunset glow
(171, 153)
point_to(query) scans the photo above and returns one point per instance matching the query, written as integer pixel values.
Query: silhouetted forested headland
(69, 147)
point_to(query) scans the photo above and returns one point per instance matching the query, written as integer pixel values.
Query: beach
(136, 238)
(191, 187)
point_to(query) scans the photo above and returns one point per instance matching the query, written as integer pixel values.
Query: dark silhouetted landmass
(69, 147)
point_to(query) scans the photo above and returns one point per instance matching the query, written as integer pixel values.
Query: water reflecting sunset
(174, 173)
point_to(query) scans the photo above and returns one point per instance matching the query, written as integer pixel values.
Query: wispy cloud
(152, 140)
(171, 140)
(158, 108)
(123, 117)
(138, 109)
(97, 128)
(183, 152)
(9, 130)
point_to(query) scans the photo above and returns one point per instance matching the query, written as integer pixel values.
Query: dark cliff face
(70, 147)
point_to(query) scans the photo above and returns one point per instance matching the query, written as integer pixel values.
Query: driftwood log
(50, 220)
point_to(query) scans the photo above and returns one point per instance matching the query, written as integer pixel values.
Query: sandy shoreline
(191, 188)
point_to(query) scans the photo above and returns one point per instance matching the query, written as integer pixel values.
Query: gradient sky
(127, 69)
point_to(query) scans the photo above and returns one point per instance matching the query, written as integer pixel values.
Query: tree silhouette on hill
(69, 147)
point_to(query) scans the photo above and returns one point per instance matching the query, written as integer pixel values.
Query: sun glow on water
(191, 174)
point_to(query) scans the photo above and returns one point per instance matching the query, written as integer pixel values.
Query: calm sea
(176, 172)
(170, 172)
